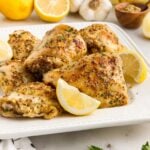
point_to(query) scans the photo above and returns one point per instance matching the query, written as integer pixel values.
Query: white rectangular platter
(137, 111)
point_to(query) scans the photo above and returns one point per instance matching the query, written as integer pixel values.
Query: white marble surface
(116, 138)
(120, 138)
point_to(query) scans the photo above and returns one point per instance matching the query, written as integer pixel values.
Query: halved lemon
(146, 26)
(5, 51)
(73, 101)
(52, 10)
(134, 66)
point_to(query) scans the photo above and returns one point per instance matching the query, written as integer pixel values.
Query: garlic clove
(103, 11)
(86, 12)
(75, 5)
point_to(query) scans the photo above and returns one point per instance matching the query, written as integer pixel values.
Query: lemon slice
(52, 10)
(5, 52)
(134, 66)
(146, 26)
(73, 101)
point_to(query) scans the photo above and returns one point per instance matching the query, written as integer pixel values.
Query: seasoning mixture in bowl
(132, 8)
(130, 15)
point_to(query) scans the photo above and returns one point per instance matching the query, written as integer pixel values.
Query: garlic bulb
(75, 5)
(95, 9)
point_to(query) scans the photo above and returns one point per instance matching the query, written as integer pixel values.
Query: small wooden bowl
(128, 19)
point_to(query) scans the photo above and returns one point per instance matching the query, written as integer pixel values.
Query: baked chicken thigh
(60, 46)
(31, 100)
(98, 75)
(100, 38)
(22, 44)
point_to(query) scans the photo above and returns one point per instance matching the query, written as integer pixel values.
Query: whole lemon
(16, 9)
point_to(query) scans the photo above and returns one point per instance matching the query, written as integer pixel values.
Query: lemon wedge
(52, 10)
(5, 52)
(146, 26)
(73, 101)
(134, 66)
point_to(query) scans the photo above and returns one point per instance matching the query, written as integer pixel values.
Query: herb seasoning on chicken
(98, 75)
(31, 100)
(60, 46)
(12, 75)
(22, 43)
(100, 38)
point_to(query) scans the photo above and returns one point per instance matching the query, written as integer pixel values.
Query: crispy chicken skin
(12, 75)
(100, 38)
(22, 43)
(31, 100)
(60, 46)
(97, 75)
